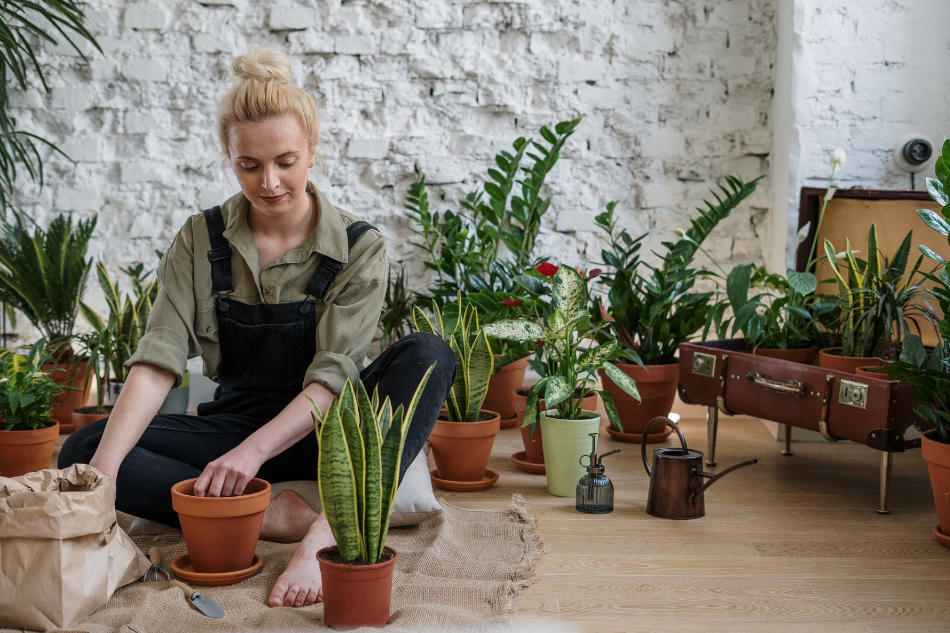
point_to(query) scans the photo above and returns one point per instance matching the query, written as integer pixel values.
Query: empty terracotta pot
(804, 355)
(501, 388)
(830, 358)
(221, 532)
(533, 447)
(356, 595)
(461, 449)
(657, 387)
(23, 452)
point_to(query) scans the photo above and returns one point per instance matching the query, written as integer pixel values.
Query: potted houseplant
(27, 432)
(655, 308)
(361, 448)
(395, 320)
(567, 376)
(464, 433)
(43, 275)
(879, 301)
(930, 375)
(98, 346)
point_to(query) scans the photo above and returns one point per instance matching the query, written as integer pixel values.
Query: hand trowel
(203, 603)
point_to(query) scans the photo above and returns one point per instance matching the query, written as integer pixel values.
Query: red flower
(594, 273)
(547, 269)
(511, 303)
(604, 314)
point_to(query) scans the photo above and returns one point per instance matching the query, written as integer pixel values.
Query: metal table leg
(887, 460)
(788, 441)
(712, 422)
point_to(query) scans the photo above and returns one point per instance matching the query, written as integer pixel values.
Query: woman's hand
(228, 475)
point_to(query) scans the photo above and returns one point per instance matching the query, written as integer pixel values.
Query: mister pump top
(595, 492)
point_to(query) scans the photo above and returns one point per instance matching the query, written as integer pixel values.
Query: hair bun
(262, 65)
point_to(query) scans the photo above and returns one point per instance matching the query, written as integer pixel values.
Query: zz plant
(361, 443)
(473, 357)
(567, 372)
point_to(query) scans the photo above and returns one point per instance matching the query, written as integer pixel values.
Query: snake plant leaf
(898, 263)
(511, 330)
(873, 266)
(384, 419)
(349, 416)
(595, 357)
(91, 317)
(623, 381)
(455, 404)
(373, 484)
(568, 293)
(557, 391)
(611, 408)
(337, 483)
(481, 363)
(532, 409)
(833, 263)
(421, 321)
(366, 411)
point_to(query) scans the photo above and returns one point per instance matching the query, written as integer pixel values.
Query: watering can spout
(713, 478)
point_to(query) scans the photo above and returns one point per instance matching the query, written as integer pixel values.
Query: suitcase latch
(854, 394)
(704, 364)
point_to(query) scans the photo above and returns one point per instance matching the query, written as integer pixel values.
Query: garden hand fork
(155, 556)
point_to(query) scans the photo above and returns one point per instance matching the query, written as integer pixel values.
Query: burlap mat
(460, 570)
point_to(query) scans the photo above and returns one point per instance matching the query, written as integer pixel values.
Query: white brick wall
(674, 94)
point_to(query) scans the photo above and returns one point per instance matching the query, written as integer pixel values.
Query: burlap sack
(62, 552)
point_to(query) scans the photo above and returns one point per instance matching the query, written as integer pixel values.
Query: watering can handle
(643, 440)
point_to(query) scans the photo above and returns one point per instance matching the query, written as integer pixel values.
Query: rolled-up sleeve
(346, 329)
(169, 339)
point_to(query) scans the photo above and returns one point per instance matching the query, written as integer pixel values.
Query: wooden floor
(791, 544)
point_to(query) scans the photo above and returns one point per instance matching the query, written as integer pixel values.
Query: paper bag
(62, 552)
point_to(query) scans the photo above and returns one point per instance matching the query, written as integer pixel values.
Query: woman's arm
(140, 399)
(230, 473)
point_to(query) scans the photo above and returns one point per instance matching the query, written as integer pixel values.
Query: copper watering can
(676, 485)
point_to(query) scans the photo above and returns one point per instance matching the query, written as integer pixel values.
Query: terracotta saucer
(465, 486)
(521, 461)
(652, 438)
(507, 423)
(182, 568)
(943, 538)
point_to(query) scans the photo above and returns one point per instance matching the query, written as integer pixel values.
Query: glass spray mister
(595, 492)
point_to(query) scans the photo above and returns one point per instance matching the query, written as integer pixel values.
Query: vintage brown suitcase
(839, 405)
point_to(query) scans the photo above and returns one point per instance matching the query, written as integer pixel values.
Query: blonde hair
(263, 89)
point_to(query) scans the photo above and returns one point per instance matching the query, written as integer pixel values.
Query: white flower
(837, 158)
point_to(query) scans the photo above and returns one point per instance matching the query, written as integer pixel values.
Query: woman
(280, 293)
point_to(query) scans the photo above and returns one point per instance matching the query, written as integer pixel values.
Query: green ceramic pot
(564, 442)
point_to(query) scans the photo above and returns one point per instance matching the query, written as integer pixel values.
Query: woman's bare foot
(287, 519)
(300, 584)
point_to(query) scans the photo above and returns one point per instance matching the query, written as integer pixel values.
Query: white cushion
(415, 500)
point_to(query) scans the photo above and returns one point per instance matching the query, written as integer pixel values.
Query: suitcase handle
(791, 387)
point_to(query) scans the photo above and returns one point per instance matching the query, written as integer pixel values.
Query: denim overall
(266, 350)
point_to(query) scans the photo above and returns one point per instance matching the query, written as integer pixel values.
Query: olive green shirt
(183, 324)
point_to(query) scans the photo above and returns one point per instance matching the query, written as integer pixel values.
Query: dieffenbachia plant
(360, 454)
(473, 357)
(567, 373)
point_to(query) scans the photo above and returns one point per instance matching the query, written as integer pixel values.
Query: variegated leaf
(595, 357)
(568, 292)
(422, 322)
(557, 391)
(622, 380)
(521, 330)
(372, 482)
(612, 414)
(338, 485)
(480, 366)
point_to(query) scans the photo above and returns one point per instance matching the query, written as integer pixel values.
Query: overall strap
(329, 268)
(220, 253)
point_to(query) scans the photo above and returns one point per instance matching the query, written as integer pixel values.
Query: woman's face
(270, 159)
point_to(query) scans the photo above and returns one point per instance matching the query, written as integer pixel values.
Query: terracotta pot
(23, 452)
(937, 456)
(69, 374)
(501, 386)
(87, 415)
(830, 358)
(867, 373)
(356, 595)
(657, 387)
(804, 355)
(461, 449)
(221, 532)
(533, 446)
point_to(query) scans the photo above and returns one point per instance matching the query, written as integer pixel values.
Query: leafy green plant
(879, 299)
(26, 391)
(43, 275)
(473, 358)
(360, 454)
(464, 247)
(396, 317)
(494, 306)
(930, 376)
(567, 373)
(655, 308)
(25, 24)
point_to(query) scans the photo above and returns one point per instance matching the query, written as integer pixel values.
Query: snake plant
(473, 357)
(360, 455)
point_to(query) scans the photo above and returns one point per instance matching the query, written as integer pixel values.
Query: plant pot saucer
(484, 483)
(521, 462)
(943, 538)
(182, 568)
(636, 438)
(508, 423)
